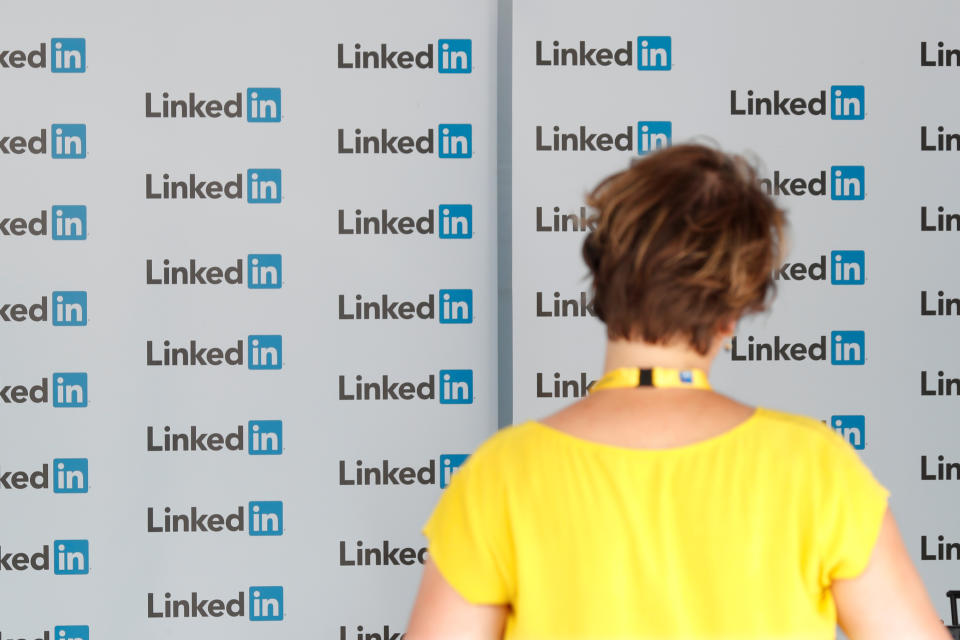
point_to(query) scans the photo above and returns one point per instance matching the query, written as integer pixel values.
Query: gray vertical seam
(504, 209)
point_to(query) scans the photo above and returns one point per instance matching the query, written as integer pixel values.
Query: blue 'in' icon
(653, 135)
(456, 306)
(456, 386)
(852, 428)
(263, 186)
(266, 603)
(654, 53)
(69, 222)
(70, 390)
(846, 102)
(71, 557)
(264, 271)
(69, 308)
(68, 55)
(263, 104)
(456, 140)
(455, 56)
(847, 347)
(450, 462)
(847, 267)
(265, 437)
(847, 182)
(70, 475)
(265, 352)
(72, 632)
(266, 518)
(456, 220)
(69, 141)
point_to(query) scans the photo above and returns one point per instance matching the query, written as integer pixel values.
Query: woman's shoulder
(799, 430)
(794, 423)
(506, 441)
(515, 446)
(519, 443)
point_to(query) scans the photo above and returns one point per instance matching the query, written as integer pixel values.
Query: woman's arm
(887, 601)
(440, 613)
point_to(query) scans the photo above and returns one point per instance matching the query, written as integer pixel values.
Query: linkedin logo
(455, 56)
(66, 55)
(654, 53)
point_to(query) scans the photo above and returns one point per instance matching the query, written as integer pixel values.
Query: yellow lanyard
(659, 377)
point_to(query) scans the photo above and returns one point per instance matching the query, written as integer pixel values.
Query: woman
(654, 507)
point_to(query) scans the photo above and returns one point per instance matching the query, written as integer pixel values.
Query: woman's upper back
(712, 529)
(650, 418)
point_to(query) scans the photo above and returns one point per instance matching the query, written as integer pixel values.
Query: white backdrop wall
(690, 70)
(347, 557)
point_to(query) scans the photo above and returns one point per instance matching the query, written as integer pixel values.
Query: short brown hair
(683, 240)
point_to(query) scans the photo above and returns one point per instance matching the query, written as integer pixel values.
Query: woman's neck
(676, 355)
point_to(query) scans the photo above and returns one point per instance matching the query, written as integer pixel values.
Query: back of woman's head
(683, 242)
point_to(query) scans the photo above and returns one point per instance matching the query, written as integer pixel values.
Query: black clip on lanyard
(646, 378)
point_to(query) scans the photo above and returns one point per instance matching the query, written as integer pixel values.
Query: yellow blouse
(734, 537)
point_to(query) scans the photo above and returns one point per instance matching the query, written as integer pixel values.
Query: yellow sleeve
(852, 507)
(468, 532)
